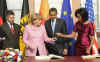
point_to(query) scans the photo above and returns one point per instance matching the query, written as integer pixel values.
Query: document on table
(90, 57)
(51, 56)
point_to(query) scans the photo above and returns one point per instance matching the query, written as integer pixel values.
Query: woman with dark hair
(34, 37)
(84, 32)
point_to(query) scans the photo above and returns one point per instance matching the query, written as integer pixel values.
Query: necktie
(12, 29)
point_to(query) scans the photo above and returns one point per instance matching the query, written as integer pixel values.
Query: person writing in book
(85, 32)
(34, 36)
(54, 25)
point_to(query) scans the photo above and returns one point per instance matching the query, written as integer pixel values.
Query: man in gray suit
(56, 25)
(9, 32)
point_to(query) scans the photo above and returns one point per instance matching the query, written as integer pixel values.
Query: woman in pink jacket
(34, 37)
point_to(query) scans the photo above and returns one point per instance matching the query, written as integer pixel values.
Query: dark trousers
(1, 44)
(37, 54)
(56, 49)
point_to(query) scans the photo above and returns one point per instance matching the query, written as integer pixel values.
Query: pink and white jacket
(35, 36)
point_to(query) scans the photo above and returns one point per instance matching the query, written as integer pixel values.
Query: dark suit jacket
(60, 27)
(9, 41)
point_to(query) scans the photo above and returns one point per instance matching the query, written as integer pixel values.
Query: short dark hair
(53, 9)
(10, 12)
(83, 13)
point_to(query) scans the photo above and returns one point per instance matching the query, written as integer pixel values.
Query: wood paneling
(75, 5)
(31, 6)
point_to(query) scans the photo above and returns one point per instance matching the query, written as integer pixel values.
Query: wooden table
(66, 59)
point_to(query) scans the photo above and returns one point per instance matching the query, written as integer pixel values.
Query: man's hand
(65, 52)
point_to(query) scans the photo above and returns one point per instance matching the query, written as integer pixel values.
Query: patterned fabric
(89, 8)
(12, 29)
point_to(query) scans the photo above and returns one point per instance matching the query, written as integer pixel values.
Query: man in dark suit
(56, 25)
(9, 32)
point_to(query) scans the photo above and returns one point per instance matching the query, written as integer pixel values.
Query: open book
(51, 56)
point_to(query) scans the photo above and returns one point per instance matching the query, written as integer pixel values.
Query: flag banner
(89, 8)
(95, 45)
(66, 14)
(25, 19)
(44, 10)
(3, 10)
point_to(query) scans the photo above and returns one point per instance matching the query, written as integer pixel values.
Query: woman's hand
(60, 34)
(54, 39)
(32, 46)
(88, 51)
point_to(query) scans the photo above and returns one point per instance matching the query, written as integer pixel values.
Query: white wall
(98, 15)
(16, 6)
